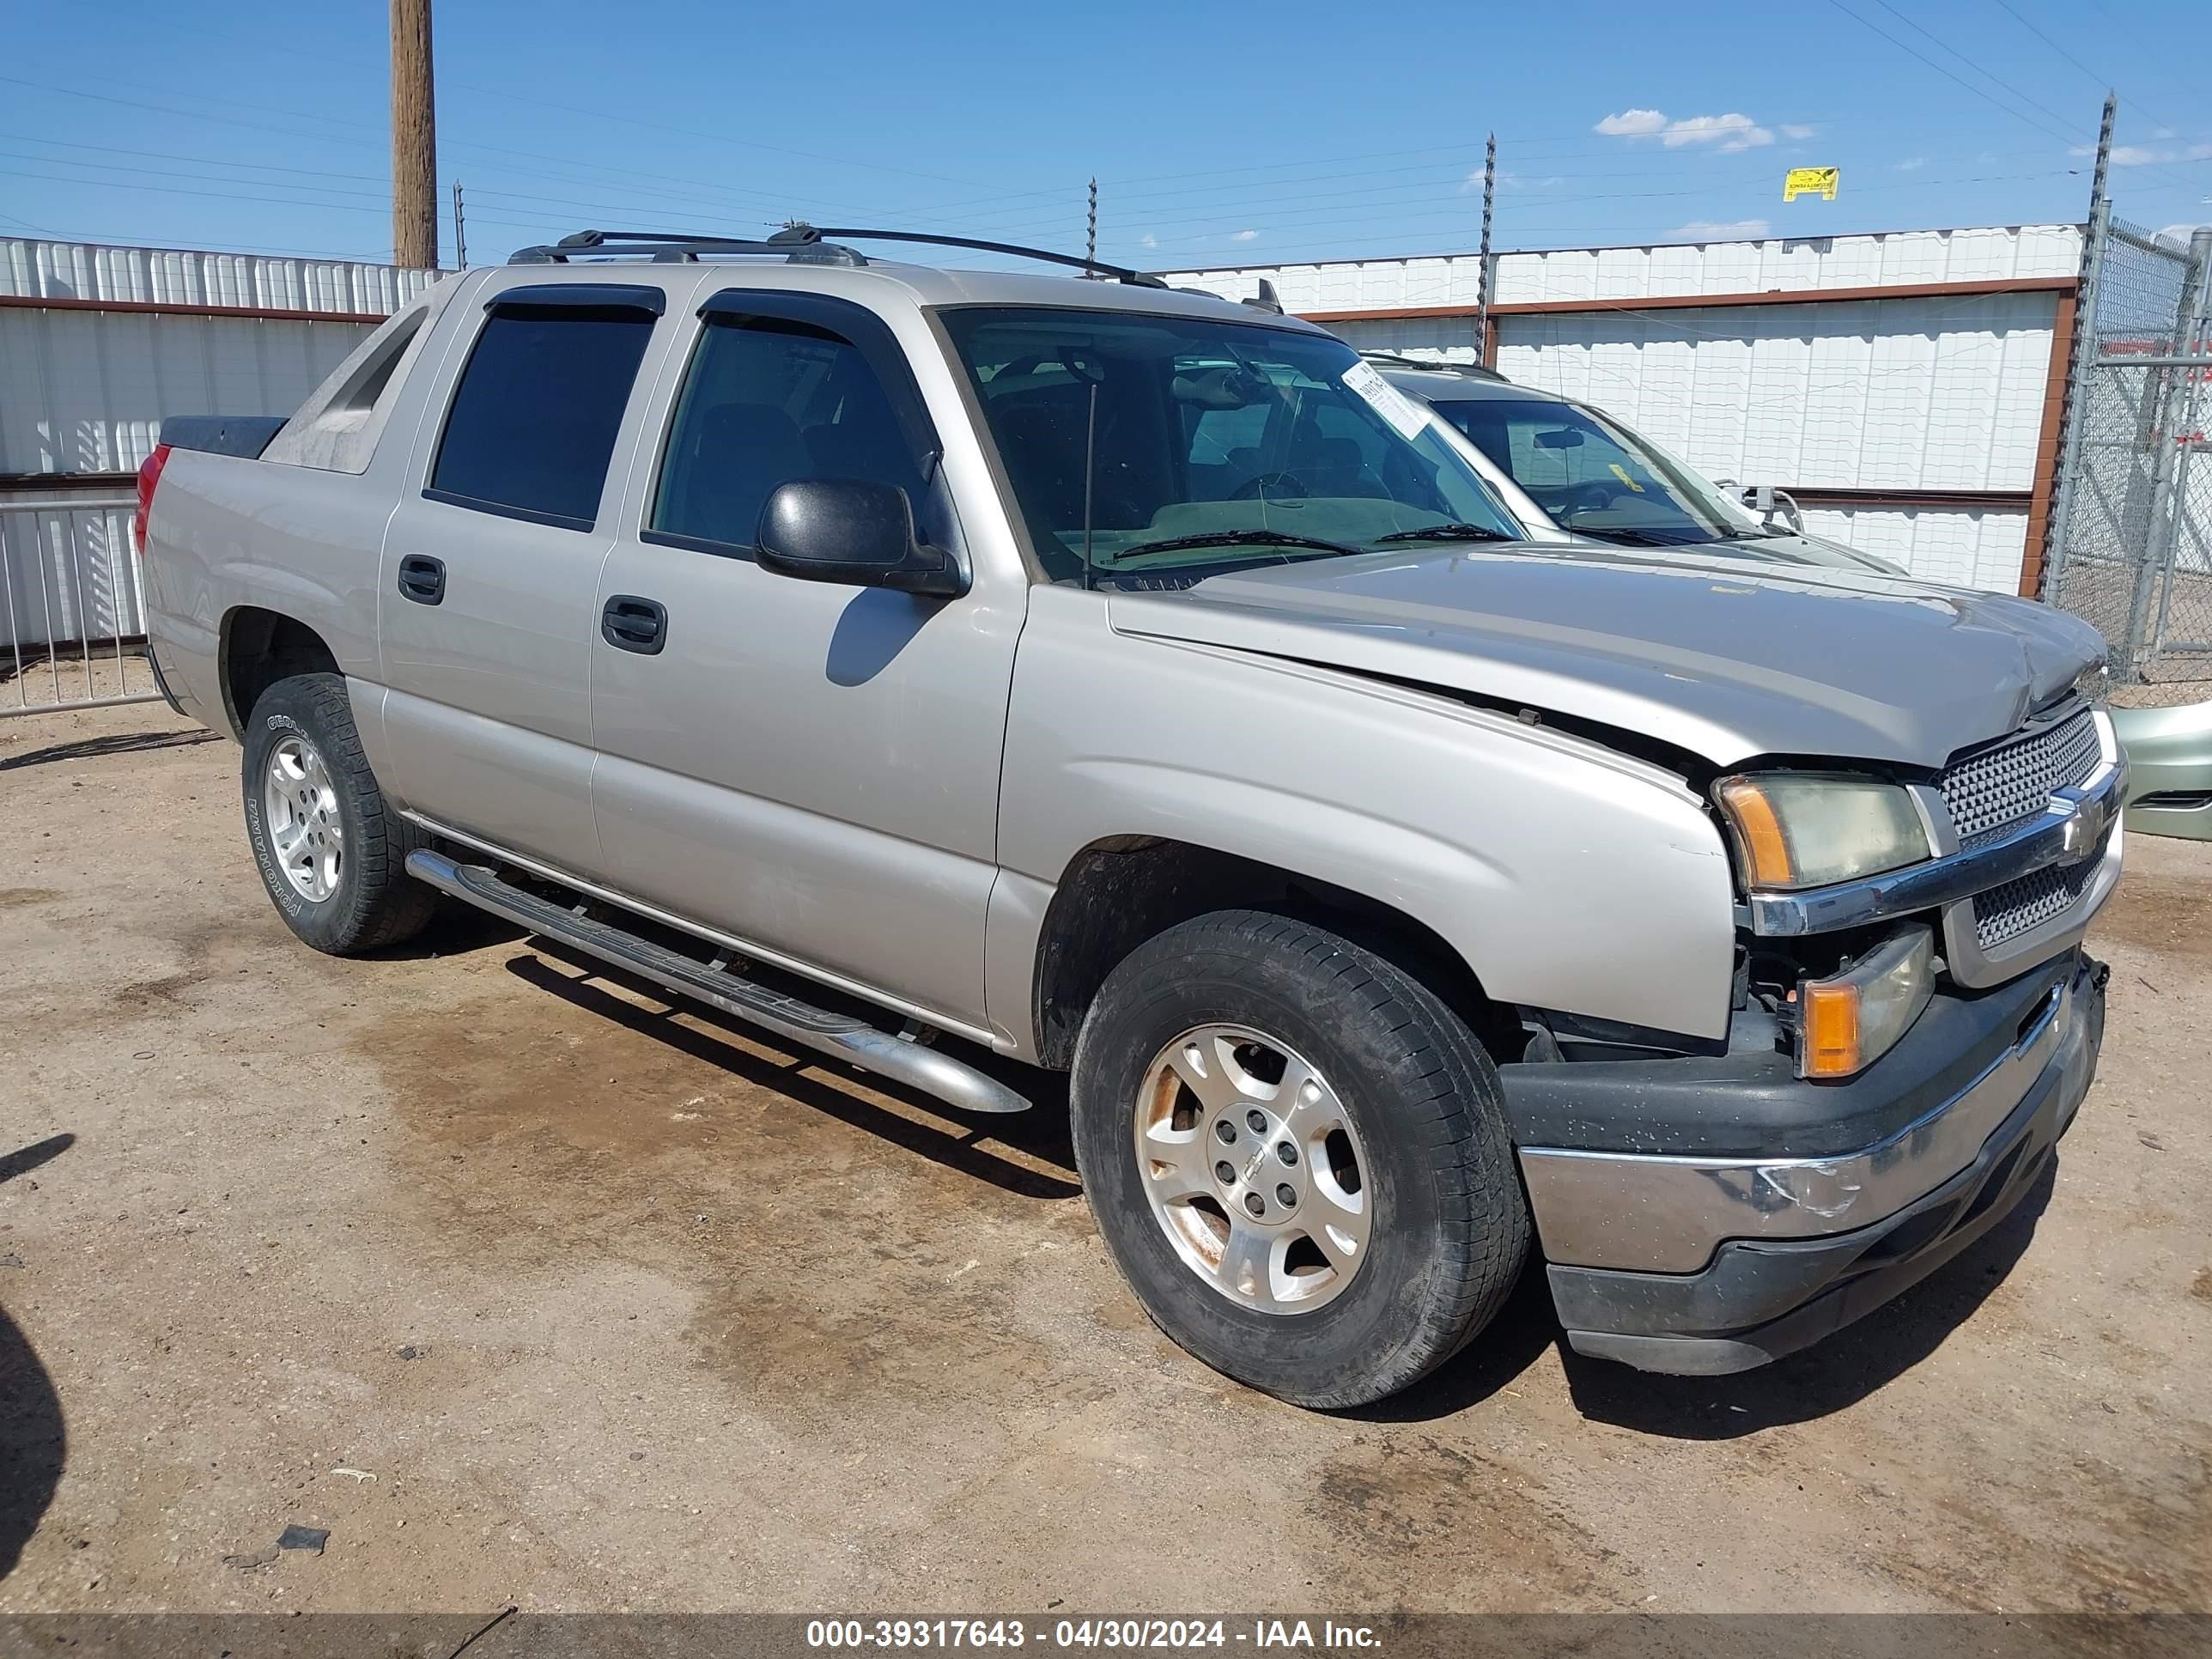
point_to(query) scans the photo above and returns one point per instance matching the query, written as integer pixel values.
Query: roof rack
(1097, 267)
(800, 244)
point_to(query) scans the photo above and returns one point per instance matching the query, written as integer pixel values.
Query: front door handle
(422, 579)
(630, 623)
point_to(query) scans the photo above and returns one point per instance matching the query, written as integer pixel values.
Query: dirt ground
(531, 1289)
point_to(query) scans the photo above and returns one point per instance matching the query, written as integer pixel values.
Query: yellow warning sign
(1809, 181)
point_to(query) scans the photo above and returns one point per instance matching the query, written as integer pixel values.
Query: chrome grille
(2012, 780)
(2007, 912)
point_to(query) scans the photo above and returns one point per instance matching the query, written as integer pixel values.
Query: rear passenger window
(534, 418)
(770, 400)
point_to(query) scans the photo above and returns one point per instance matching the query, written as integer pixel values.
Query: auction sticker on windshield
(1392, 406)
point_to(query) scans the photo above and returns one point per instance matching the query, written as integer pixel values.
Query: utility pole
(414, 138)
(1482, 273)
(1090, 240)
(460, 232)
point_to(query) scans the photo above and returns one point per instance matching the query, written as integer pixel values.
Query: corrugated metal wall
(83, 389)
(1877, 394)
(1779, 263)
(1906, 394)
(90, 271)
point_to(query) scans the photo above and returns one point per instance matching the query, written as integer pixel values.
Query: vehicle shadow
(117, 743)
(1828, 1376)
(34, 1441)
(1040, 1134)
(455, 930)
(1823, 1379)
(1513, 1341)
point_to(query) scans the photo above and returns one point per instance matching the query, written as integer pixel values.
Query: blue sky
(1220, 134)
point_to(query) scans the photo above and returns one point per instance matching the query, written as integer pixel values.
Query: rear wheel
(331, 851)
(1296, 1156)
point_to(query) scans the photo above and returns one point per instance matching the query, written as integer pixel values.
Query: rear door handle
(422, 579)
(630, 623)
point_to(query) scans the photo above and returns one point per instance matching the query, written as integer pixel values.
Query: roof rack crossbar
(665, 247)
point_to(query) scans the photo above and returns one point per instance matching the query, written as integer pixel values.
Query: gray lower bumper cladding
(1768, 1277)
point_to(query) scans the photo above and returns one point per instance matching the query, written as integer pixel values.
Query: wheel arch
(1121, 890)
(258, 646)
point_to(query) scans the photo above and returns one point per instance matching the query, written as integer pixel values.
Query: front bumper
(1698, 1258)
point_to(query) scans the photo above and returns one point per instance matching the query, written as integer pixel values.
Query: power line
(2102, 81)
(1913, 51)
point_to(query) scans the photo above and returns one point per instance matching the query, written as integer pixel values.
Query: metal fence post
(2195, 341)
(2072, 419)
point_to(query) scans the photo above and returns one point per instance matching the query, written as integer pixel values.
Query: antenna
(1090, 238)
(1089, 472)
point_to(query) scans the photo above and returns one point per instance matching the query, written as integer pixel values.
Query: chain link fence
(2131, 534)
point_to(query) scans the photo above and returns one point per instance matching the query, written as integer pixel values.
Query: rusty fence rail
(72, 610)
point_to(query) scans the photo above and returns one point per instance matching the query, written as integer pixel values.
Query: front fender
(1568, 877)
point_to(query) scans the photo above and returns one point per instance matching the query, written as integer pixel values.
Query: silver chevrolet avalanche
(969, 675)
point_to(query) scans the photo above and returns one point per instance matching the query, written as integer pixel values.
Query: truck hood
(1726, 659)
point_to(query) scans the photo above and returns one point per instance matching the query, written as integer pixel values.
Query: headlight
(1847, 1023)
(1809, 829)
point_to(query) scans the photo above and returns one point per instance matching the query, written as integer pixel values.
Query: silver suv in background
(1556, 463)
(1589, 474)
(960, 673)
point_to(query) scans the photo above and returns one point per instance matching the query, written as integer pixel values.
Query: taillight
(149, 474)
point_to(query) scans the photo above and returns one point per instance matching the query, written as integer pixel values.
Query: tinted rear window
(533, 421)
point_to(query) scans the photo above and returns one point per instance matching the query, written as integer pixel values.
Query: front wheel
(1296, 1156)
(331, 850)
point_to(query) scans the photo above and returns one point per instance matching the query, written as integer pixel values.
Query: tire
(1419, 1107)
(303, 766)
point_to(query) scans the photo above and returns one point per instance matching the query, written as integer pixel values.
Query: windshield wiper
(1232, 538)
(1632, 537)
(1447, 532)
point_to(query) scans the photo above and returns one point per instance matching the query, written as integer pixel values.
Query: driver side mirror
(1767, 500)
(853, 531)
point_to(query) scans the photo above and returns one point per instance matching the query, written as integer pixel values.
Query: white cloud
(1709, 230)
(1800, 132)
(1148, 240)
(1244, 236)
(1910, 164)
(1732, 131)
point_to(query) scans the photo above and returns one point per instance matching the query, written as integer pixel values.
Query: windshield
(1594, 477)
(1172, 447)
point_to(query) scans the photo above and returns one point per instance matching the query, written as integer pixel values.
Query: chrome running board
(840, 1035)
